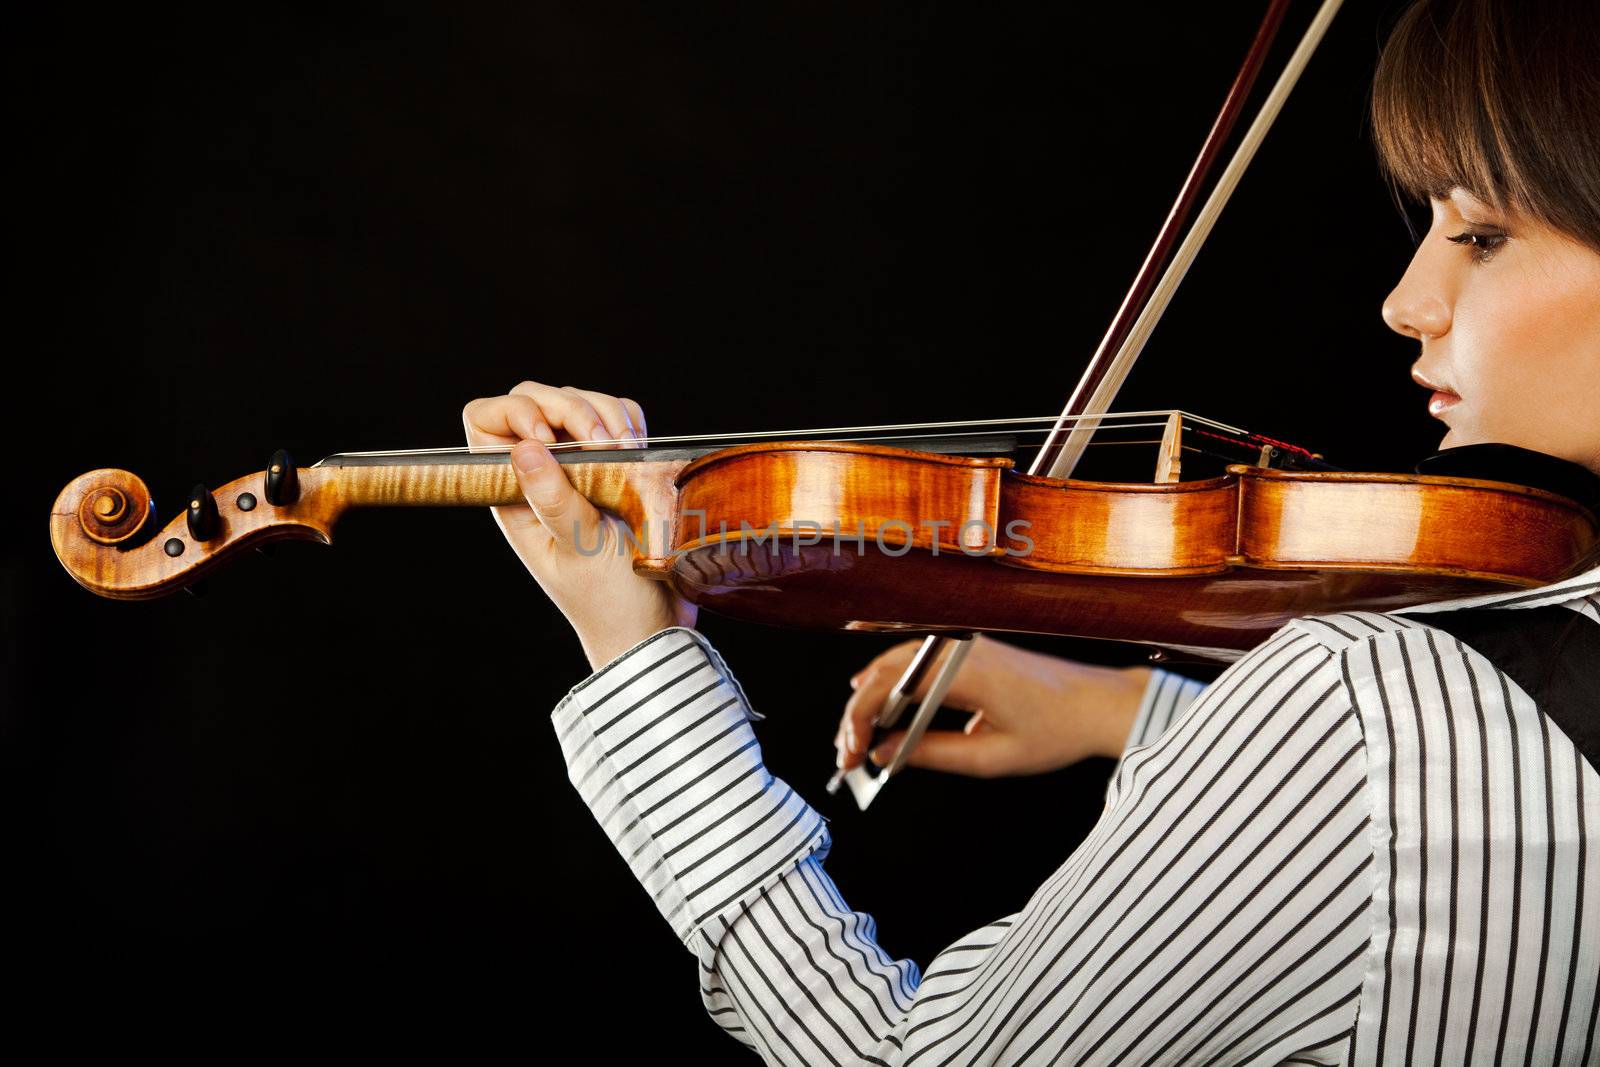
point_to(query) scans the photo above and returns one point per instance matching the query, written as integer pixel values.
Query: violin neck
(642, 492)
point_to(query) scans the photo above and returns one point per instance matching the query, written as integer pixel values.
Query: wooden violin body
(874, 538)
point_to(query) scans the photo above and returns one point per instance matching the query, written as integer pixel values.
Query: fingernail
(878, 756)
(598, 432)
(850, 737)
(838, 759)
(529, 456)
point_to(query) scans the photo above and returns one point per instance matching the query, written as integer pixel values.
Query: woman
(1365, 842)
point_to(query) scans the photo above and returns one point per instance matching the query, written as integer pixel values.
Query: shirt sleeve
(1217, 911)
(1166, 696)
(659, 745)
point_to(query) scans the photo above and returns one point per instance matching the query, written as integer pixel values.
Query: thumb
(570, 519)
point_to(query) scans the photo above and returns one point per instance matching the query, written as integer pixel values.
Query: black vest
(1553, 653)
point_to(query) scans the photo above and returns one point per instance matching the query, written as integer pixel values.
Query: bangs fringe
(1436, 117)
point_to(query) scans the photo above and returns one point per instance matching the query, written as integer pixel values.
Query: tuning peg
(283, 486)
(202, 514)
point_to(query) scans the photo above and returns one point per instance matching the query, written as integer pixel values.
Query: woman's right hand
(1032, 712)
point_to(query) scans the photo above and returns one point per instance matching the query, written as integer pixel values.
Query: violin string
(1036, 424)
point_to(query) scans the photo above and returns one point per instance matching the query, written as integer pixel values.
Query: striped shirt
(1362, 843)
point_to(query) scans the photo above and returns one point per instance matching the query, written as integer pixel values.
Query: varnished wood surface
(922, 499)
(1458, 526)
(1171, 528)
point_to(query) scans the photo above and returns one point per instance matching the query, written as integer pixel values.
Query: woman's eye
(1483, 245)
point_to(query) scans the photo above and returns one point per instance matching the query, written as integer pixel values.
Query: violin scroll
(112, 505)
(105, 534)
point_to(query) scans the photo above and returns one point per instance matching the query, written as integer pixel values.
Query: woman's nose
(1416, 307)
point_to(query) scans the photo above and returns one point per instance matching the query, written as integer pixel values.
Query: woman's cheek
(1538, 369)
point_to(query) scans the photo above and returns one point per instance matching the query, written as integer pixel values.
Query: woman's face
(1508, 313)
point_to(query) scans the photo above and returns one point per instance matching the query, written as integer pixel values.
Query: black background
(327, 795)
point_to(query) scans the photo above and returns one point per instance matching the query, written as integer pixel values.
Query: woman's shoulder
(1532, 632)
(1538, 633)
(1522, 669)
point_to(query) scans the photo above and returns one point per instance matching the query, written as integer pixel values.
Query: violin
(871, 535)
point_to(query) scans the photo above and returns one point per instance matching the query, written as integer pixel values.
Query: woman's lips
(1441, 402)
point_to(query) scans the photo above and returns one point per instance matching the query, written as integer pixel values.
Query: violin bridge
(1169, 464)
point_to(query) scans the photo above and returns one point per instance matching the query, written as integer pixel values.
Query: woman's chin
(1460, 437)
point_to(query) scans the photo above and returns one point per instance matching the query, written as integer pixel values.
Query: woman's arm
(1218, 909)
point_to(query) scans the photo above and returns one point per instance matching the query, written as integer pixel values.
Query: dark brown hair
(1500, 98)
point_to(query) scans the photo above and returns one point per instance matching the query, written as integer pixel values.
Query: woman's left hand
(611, 608)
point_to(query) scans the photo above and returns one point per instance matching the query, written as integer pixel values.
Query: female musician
(1366, 841)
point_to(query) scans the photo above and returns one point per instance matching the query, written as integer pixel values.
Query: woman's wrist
(1125, 693)
(603, 644)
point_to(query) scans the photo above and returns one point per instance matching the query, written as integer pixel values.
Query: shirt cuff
(658, 744)
(1166, 697)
